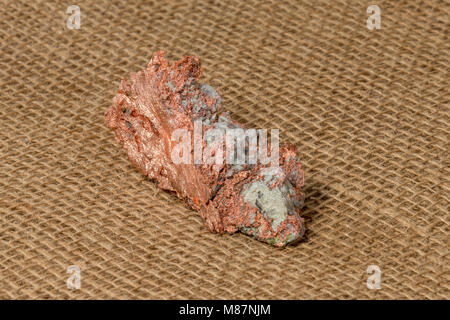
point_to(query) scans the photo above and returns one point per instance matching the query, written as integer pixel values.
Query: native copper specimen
(149, 109)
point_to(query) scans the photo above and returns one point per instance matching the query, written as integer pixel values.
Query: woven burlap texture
(367, 109)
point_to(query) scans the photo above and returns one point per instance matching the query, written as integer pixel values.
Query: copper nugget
(147, 114)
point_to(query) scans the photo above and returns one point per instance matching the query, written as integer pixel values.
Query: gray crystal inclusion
(271, 202)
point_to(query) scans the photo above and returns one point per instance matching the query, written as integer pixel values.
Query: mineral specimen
(156, 115)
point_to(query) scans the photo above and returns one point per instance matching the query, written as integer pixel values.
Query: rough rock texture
(157, 101)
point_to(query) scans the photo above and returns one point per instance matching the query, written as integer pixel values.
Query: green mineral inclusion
(274, 204)
(271, 202)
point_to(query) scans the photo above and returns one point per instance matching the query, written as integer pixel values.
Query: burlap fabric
(368, 111)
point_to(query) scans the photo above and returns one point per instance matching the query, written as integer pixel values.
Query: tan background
(368, 110)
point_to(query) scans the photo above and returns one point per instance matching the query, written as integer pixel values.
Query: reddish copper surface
(155, 102)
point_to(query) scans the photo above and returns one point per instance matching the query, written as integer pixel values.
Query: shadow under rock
(315, 196)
